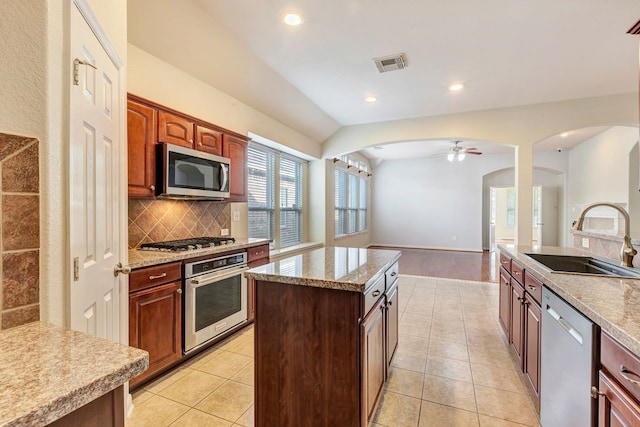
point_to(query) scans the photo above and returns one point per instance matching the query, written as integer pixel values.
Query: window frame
(350, 207)
(275, 191)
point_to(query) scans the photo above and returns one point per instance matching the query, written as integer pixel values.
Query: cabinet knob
(179, 291)
(375, 293)
(152, 187)
(191, 141)
(199, 144)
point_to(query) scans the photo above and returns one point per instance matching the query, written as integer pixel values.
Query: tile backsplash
(160, 220)
(20, 237)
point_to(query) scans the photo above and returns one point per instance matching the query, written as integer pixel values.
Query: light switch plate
(224, 232)
(585, 242)
(236, 216)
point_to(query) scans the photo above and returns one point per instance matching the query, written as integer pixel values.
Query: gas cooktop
(187, 244)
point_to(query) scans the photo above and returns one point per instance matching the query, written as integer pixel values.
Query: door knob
(118, 268)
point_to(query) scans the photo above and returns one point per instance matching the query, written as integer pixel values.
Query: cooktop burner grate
(187, 244)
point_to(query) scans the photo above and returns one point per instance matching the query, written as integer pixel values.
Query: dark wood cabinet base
(107, 410)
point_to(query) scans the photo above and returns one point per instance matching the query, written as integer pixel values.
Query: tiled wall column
(20, 236)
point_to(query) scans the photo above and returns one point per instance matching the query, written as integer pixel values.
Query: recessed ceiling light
(564, 134)
(371, 99)
(292, 18)
(456, 87)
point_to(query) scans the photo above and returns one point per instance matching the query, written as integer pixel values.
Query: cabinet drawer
(517, 271)
(505, 262)
(373, 294)
(533, 286)
(257, 252)
(621, 364)
(156, 275)
(391, 275)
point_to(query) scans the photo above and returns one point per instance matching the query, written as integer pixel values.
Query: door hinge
(76, 66)
(76, 269)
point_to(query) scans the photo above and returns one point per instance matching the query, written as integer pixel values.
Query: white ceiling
(314, 77)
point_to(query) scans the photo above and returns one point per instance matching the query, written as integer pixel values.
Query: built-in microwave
(185, 173)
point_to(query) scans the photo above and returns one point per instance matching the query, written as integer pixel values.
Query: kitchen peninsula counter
(145, 258)
(326, 325)
(612, 303)
(47, 372)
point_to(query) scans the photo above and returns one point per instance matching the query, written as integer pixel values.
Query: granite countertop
(612, 303)
(349, 269)
(47, 371)
(139, 258)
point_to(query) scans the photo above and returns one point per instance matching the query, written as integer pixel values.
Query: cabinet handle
(517, 273)
(160, 276)
(152, 187)
(625, 374)
(199, 144)
(533, 288)
(390, 303)
(520, 299)
(179, 291)
(393, 274)
(191, 141)
(375, 293)
(595, 393)
(505, 262)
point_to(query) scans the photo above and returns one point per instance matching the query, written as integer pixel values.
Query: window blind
(261, 200)
(290, 201)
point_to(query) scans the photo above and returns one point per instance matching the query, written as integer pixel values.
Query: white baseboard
(434, 248)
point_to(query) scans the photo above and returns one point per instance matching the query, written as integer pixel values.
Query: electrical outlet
(585, 242)
(236, 216)
(224, 232)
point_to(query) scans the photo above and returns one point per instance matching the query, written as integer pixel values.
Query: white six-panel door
(93, 185)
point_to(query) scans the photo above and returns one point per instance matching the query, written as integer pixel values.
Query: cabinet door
(208, 140)
(373, 361)
(517, 321)
(505, 301)
(392, 324)
(155, 325)
(616, 407)
(141, 139)
(236, 150)
(532, 346)
(175, 129)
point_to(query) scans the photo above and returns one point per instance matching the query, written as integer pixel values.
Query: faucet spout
(627, 252)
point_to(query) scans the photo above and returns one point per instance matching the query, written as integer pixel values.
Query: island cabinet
(155, 315)
(149, 123)
(618, 385)
(519, 316)
(321, 353)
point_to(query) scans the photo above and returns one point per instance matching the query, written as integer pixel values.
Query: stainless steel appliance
(569, 343)
(187, 244)
(215, 298)
(187, 173)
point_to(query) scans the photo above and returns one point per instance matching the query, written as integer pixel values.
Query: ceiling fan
(458, 152)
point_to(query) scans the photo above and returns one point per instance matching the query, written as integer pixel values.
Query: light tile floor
(452, 368)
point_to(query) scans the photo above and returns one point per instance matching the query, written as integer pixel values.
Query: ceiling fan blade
(469, 149)
(474, 152)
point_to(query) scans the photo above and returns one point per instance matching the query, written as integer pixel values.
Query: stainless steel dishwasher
(567, 365)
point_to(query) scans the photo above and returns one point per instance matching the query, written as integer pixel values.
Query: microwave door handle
(225, 176)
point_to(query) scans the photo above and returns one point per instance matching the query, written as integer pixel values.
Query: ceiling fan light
(450, 157)
(461, 157)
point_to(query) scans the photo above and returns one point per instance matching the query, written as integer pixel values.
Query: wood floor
(480, 266)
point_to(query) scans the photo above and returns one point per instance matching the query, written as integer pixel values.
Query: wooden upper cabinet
(208, 140)
(175, 129)
(236, 150)
(141, 139)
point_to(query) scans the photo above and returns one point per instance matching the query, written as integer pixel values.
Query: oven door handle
(213, 277)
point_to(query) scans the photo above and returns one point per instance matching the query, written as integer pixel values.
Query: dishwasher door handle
(565, 325)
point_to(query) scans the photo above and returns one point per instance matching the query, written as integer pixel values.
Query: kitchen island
(325, 333)
(53, 375)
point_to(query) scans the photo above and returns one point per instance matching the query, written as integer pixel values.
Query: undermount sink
(583, 265)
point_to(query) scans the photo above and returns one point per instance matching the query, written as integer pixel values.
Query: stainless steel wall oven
(215, 298)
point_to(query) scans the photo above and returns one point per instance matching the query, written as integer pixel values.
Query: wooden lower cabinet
(531, 366)
(505, 301)
(392, 322)
(256, 256)
(516, 331)
(373, 360)
(616, 406)
(106, 410)
(155, 325)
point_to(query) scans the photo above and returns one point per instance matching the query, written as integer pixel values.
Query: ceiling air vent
(390, 63)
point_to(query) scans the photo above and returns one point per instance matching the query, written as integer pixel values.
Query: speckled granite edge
(611, 303)
(49, 371)
(353, 283)
(139, 258)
